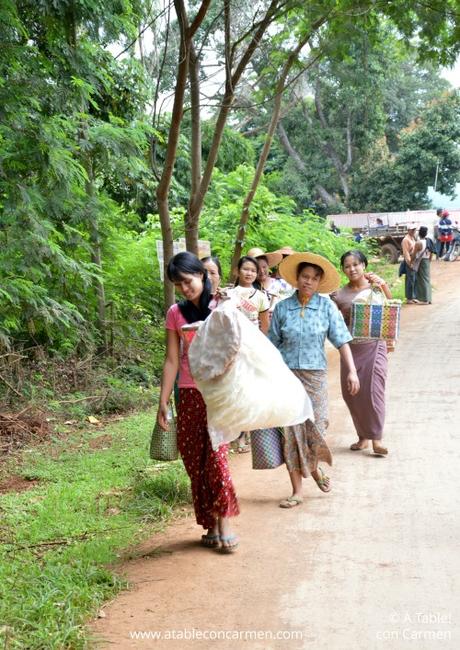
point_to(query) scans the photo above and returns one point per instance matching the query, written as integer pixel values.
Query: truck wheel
(390, 252)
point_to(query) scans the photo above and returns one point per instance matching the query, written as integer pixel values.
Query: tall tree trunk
(328, 148)
(279, 89)
(162, 192)
(191, 225)
(301, 166)
(231, 81)
(96, 255)
(70, 23)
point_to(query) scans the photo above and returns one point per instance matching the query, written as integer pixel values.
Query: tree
(400, 181)
(357, 100)
(56, 138)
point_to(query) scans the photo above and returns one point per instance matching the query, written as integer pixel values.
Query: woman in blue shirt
(299, 327)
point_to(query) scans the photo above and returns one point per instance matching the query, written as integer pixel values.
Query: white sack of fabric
(243, 379)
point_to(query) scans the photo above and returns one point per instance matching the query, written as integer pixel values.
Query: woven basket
(267, 448)
(163, 444)
(376, 321)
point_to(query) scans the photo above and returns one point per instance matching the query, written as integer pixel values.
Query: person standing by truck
(437, 243)
(407, 245)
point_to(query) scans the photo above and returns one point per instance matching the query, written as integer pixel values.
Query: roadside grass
(97, 495)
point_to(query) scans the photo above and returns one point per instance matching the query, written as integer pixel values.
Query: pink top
(174, 321)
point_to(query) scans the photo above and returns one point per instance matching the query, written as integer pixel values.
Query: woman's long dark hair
(188, 264)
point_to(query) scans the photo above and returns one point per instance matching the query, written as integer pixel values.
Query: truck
(387, 238)
(387, 229)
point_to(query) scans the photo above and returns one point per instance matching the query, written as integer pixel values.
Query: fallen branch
(10, 386)
(80, 399)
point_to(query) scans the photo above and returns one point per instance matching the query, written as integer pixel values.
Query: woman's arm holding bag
(170, 369)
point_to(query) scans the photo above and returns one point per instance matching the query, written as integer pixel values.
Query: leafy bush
(123, 396)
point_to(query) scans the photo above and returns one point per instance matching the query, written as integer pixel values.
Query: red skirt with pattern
(212, 487)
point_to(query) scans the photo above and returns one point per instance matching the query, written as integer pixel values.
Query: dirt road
(372, 565)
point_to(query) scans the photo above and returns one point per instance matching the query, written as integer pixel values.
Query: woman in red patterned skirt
(214, 498)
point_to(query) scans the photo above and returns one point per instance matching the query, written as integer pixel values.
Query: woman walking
(270, 286)
(299, 327)
(255, 305)
(253, 302)
(367, 408)
(214, 497)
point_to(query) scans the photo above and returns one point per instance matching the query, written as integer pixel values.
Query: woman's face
(213, 274)
(247, 274)
(353, 268)
(263, 270)
(190, 286)
(308, 281)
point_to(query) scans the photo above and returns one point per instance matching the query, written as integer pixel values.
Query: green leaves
(401, 181)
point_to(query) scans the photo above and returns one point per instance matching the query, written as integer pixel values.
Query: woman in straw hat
(299, 327)
(284, 288)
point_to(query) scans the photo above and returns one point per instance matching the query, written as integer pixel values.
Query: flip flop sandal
(228, 547)
(355, 447)
(210, 541)
(243, 450)
(322, 482)
(380, 451)
(291, 502)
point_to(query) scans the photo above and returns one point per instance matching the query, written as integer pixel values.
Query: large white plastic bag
(243, 379)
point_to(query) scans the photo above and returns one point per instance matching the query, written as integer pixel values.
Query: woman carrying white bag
(214, 497)
(243, 379)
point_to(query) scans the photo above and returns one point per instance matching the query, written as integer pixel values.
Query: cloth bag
(163, 444)
(242, 376)
(267, 448)
(375, 317)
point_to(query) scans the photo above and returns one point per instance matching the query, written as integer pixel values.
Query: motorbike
(454, 250)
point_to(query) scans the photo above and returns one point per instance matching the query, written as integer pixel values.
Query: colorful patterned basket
(163, 444)
(376, 321)
(267, 448)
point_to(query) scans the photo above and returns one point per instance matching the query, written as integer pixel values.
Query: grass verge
(97, 494)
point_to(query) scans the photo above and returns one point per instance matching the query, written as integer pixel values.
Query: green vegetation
(91, 162)
(97, 495)
(117, 132)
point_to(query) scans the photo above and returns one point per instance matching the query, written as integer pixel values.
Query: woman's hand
(373, 278)
(221, 294)
(353, 382)
(162, 416)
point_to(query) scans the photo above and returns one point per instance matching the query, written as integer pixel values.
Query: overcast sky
(453, 74)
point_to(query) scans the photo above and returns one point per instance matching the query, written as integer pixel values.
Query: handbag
(370, 320)
(267, 448)
(402, 268)
(163, 444)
